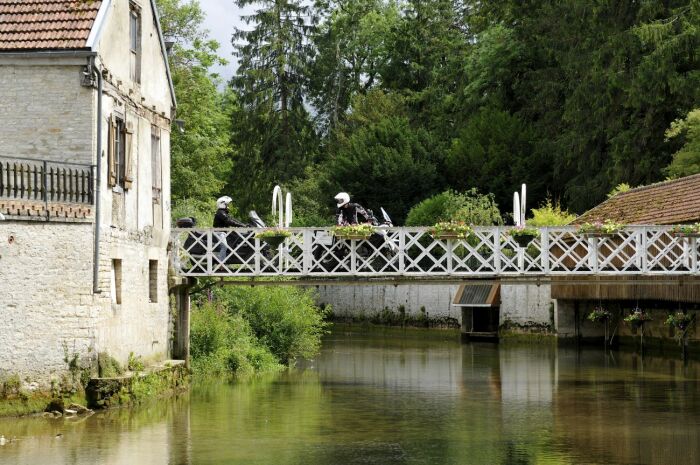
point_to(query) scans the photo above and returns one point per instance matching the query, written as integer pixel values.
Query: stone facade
(522, 305)
(417, 300)
(49, 112)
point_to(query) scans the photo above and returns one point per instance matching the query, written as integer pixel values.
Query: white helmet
(342, 199)
(222, 202)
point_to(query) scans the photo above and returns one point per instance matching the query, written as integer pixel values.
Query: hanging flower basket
(273, 236)
(679, 320)
(608, 228)
(523, 236)
(450, 230)
(599, 315)
(686, 230)
(354, 232)
(637, 318)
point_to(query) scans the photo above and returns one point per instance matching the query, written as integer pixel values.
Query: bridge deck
(489, 252)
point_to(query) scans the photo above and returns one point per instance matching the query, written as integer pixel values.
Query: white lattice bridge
(412, 252)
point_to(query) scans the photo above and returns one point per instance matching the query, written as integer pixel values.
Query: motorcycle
(330, 252)
(229, 248)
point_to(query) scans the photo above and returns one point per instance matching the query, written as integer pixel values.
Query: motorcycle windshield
(255, 220)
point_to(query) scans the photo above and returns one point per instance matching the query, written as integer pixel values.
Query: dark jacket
(352, 213)
(223, 220)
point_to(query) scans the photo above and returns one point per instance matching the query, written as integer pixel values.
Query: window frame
(135, 34)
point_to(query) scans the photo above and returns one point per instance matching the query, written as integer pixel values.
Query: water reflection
(393, 399)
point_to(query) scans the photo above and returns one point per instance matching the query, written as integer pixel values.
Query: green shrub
(108, 366)
(284, 319)
(550, 214)
(223, 344)
(469, 207)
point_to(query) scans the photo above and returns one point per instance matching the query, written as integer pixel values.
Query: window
(116, 281)
(120, 151)
(120, 138)
(156, 172)
(153, 281)
(135, 42)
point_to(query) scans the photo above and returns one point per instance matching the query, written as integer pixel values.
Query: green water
(400, 399)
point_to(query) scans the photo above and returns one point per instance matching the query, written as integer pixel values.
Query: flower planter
(354, 237)
(447, 236)
(273, 241)
(523, 240)
(599, 234)
(686, 235)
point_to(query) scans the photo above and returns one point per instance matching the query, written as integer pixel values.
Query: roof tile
(46, 24)
(669, 202)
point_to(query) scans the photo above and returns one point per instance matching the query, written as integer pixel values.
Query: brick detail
(23, 208)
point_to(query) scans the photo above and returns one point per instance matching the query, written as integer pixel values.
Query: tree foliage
(200, 155)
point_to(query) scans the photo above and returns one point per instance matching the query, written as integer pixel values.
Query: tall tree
(351, 47)
(272, 130)
(200, 155)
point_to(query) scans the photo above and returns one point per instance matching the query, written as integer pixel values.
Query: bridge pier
(181, 343)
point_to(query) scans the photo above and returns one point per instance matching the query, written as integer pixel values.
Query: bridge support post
(181, 346)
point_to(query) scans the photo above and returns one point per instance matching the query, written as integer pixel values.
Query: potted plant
(355, 231)
(273, 236)
(686, 230)
(679, 320)
(637, 318)
(605, 229)
(450, 230)
(523, 235)
(599, 315)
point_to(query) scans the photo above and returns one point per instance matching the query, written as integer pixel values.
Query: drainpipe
(98, 182)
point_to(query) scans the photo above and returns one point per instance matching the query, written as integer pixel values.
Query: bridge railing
(488, 251)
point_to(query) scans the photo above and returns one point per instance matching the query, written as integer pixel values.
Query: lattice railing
(489, 251)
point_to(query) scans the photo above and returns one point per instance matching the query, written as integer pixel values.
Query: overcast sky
(221, 17)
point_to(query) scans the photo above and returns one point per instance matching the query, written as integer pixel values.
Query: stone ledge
(166, 377)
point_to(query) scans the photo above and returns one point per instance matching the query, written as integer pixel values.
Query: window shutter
(111, 152)
(129, 172)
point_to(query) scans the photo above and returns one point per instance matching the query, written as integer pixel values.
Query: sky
(221, 17)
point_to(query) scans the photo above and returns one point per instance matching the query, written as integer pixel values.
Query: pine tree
(272, 131)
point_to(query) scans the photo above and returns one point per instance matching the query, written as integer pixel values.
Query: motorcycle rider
(222, 218)
(350, 213)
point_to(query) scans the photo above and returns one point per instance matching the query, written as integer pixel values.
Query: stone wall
(522, 305)
(47, 307)
(367, 300)
(38, 117)
(527, 306)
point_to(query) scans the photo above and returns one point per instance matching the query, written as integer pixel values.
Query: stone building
(86, 106)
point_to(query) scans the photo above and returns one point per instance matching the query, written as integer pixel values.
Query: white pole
(516, 209)
(522, 205)
(277, 199)
(288, 212)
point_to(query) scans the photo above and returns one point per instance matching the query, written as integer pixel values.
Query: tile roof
(46, 24)
(669, 202)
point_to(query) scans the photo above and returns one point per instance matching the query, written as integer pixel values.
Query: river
(401, 397)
